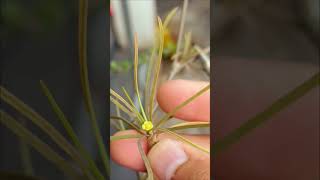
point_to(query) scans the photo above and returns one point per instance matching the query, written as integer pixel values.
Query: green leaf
(127, 122)
(44, 125)
(156, 69)
(181, 28)
(145, 160)
(166, 117)
(189, 125)
(36, 143)
(82, 40)
(265, 115)
(130, 107)
(135, 75)
(124, 109)
(71, 133)
(185, 140)
(168, 18)
(26, 158)
(122, 127)
(127, 136)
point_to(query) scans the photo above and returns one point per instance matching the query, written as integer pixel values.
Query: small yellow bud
(147, 125)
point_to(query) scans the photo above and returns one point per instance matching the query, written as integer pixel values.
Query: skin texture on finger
(173, 93)
(126, 153)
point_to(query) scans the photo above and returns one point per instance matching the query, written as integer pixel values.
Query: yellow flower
(147, 125)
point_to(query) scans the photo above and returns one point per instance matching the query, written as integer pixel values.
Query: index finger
(173, 93)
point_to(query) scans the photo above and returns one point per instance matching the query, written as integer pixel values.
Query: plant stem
(83, 13)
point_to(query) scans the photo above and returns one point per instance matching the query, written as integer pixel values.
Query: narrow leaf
(185, 140)
(36, 143)
(189, 125)
(127, 122)
(127, 136)
(122, 127)
(181, 28)
(166, 117)
(265, 115)
(157, 69)
(44, 125)
(145, 160)
(120, 106)
(142, 119)
(135, 74)
(71, 133)
(82, 40)
(168, 18)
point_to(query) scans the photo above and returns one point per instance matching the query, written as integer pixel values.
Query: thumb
(171, 159)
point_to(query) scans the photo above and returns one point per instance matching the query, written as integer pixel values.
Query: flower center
(147, 125)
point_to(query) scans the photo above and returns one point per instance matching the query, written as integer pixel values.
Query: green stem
(83, 13)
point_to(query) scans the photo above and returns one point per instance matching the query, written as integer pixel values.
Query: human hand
(169, 158)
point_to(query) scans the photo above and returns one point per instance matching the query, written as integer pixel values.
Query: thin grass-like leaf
(204, 57)
(127, 136)
(124, 109)
(26, 158)
(44, 125)
(181, 28)
(265, 115)
(185, 140)
(187, 44)
(82, 38)
(166, 117)
(169, 17)
(71, 133)
(189, 125)
(136, 85)
(116, 125)
(148, 78)
(122, 127)
(127, 122)
(157, 69)
(132, 104)
(36, 143)
(130, 107)
(145, 160)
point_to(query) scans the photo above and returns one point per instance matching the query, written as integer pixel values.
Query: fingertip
(174, 92)
(126, 153)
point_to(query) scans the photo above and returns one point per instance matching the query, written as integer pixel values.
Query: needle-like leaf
(44, 125)
(36, 143)
(157, 69)
(135, 75)
(189, 125)
(127, 136)
(134, 109)
(82, 38)
(145, 160)
(124, 109)
(148, 78)
(187, 44)
(168, 18)
(185, 140)
(26, 157)
(122, 127)
(265, 115)
(127, 122)
(181, 28)
(71, 133)
(166, 117)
